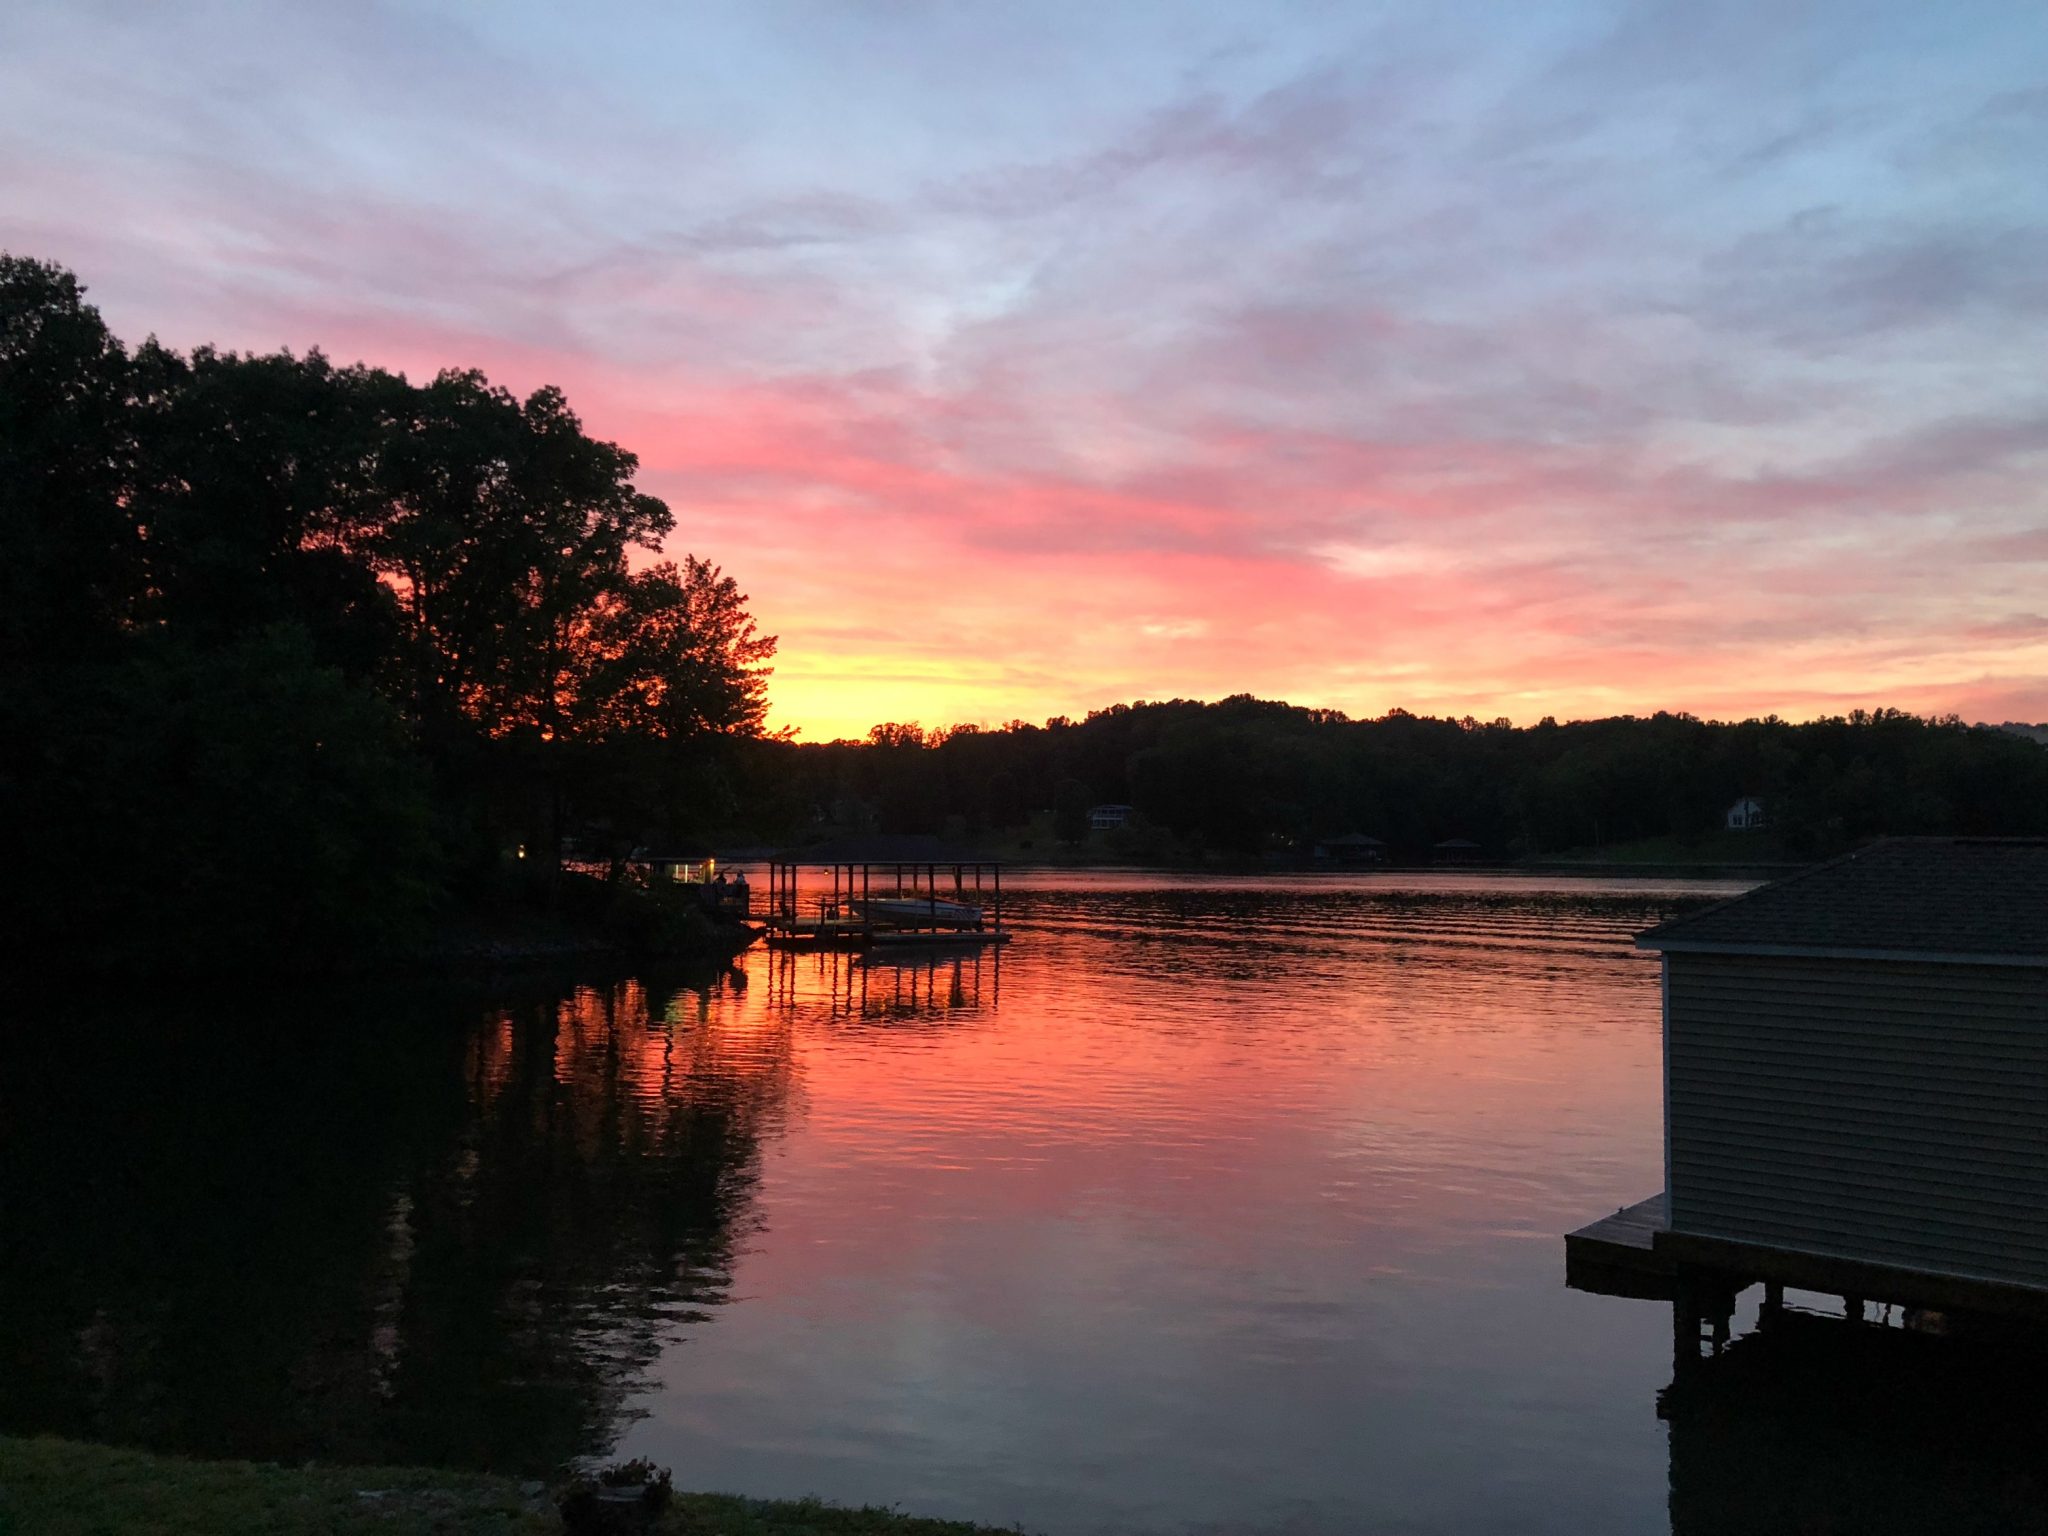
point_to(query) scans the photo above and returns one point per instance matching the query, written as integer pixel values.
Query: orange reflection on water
(1302, 1148)
(1200, 1196)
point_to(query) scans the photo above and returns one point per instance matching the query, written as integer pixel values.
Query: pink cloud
(1371, 382)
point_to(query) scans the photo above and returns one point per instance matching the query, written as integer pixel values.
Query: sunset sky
(1019, 359)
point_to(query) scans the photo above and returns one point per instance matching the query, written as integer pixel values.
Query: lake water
(1207, 1205)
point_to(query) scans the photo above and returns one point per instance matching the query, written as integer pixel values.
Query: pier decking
(856, 933)
(1618, 1255)
(1635, 1253)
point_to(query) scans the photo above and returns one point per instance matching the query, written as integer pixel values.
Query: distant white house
(1746, 814)
(1105, 818)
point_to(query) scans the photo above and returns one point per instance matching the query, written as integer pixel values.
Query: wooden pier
(854, 933)
(885, 893)
(1618, 1255)
(1635, 1253)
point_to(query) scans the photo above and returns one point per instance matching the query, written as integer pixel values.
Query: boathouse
(1855, 1086)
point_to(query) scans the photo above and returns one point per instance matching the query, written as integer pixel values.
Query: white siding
(1890, 1113)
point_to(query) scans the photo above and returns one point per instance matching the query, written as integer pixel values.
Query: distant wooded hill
(1247, 777)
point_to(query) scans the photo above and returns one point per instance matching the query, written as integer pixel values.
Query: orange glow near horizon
(909, 582)
(907, 586)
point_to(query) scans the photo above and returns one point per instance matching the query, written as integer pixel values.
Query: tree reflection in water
(415, 1227)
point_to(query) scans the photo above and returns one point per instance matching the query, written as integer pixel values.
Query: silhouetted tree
(670, 653)
(423, 594)
(70, 554)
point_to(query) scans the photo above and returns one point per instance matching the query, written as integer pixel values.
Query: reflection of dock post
(1685, 1332)
(1700, 1297)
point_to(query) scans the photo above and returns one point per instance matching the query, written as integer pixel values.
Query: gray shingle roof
(1952, 897)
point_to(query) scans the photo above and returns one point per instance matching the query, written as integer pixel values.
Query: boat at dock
(920, 912)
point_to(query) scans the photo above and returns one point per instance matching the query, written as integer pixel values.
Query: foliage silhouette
(291, 651)
(1244, 778)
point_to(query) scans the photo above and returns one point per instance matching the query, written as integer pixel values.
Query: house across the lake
(1855, 1089)
(1352, 848)
(1107, 818)
(1746, 815)
(1457, 850)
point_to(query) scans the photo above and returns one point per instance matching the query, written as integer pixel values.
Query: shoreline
(58, 1487)
(470, 949)
(503, 952)
(1763, 869)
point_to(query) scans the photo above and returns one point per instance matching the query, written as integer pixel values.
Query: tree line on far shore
(1245, 778)
(294, 655)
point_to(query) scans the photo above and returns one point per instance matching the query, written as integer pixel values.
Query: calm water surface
(1210, 1205)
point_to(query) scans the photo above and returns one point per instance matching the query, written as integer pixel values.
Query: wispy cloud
(1571, 359)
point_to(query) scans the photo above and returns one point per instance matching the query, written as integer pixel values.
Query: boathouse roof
(885, 848)
(1973, 900)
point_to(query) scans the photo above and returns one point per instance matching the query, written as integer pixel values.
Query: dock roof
(884, 848)
(1960, 899)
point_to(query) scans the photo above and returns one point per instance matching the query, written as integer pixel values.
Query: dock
(1619, 1255)
(885, 893)
(1635, 1253)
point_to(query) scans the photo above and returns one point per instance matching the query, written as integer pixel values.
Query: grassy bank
(64, 1488)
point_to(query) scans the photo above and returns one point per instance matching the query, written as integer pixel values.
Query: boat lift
(886, 891)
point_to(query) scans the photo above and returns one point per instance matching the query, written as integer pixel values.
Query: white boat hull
(921, 912)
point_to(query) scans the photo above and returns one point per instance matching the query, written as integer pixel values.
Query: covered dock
(884, 890)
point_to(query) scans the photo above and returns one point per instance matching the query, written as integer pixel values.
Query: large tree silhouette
(282, 636)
